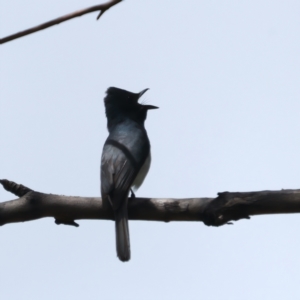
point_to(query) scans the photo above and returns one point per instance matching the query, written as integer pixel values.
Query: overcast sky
(226, 76)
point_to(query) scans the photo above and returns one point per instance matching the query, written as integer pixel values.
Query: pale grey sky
(226, 76)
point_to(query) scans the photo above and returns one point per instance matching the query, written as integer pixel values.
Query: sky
(226, 76)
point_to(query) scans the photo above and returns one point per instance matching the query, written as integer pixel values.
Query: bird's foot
(132, 196)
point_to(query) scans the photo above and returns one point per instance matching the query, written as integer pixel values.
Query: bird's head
(124, 104)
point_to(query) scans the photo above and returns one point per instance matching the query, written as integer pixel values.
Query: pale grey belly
(142, 174)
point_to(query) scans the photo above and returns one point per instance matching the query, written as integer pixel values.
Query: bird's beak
(146, 106)
(150, 107)
(142, 92)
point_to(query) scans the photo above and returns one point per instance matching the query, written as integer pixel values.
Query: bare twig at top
(102, 8)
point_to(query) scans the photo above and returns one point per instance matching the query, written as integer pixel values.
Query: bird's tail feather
(122, 233)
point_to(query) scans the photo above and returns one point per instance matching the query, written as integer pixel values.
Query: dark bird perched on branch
(125, 158)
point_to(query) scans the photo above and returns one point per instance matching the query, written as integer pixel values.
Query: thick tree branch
(102, 8)
(212, 211)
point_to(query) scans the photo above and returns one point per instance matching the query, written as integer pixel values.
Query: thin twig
(102, 8)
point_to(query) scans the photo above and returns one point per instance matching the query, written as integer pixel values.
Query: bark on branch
(102, 8)
(218, 211)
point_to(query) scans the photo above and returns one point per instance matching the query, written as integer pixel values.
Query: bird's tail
(122, 233)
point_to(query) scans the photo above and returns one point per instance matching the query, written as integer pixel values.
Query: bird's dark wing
(118, 171)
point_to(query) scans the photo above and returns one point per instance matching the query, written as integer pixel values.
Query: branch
(218, 211)
(102, 8)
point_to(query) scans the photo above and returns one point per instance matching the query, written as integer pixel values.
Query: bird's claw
(132, 196)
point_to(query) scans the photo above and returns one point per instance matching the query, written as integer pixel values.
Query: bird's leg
(132, 196)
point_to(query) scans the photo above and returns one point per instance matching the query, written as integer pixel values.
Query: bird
(125, 159)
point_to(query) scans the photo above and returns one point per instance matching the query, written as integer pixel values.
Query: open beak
(146, 106)
(150, 107)
(142, 92)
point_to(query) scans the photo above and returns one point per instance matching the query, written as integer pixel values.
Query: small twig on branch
(17, 189)
(71, 223)
(102, 8)
(218, 211)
